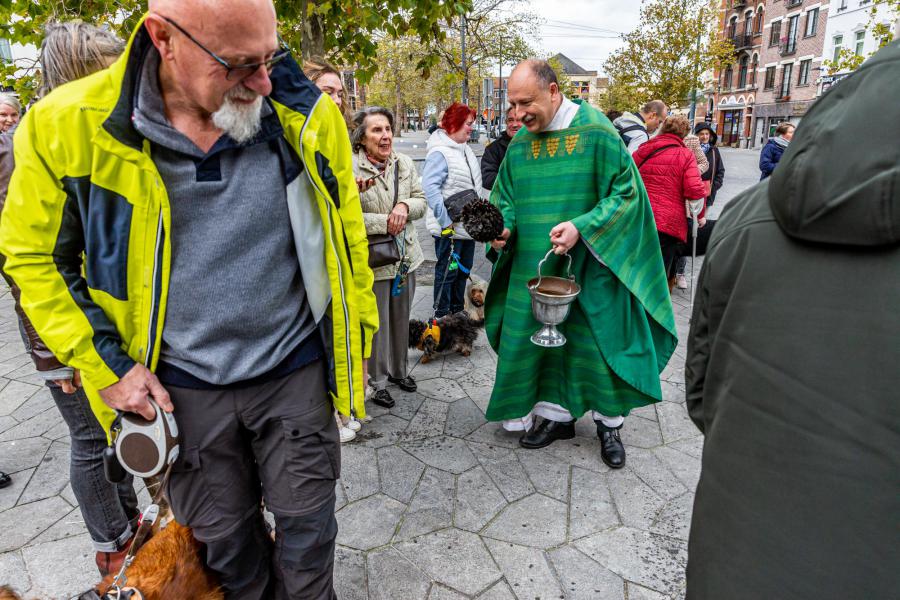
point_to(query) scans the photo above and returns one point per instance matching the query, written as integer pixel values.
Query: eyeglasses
(235, 72)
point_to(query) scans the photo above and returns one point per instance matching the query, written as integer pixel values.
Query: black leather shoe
(407, 384)
(5, 479)
(383, 398)
(611, 449)
(546, 433)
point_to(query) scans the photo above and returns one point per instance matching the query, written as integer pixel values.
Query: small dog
(475, 291)
(457, 333)
(168, 566)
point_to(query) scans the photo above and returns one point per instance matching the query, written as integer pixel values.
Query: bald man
(568, 184)
(208, 186)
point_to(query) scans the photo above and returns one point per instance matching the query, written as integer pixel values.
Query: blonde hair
(73, 49)
(314, 68)
(677, 124)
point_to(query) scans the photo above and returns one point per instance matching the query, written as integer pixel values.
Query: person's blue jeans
(109, 510)
(450, 286)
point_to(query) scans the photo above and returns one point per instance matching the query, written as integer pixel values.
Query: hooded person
(792, 361)
(774, 148)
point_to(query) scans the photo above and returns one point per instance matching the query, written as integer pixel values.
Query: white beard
(240, 121)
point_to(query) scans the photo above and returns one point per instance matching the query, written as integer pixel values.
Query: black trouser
(276, 440)
(703, 235)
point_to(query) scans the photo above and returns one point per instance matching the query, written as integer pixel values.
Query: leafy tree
(662, 58)
(565, 83)
(341, 30)
(848, 59)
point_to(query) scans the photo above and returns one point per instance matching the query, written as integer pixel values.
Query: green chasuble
(621, 330)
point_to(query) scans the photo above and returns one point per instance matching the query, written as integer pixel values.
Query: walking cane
(694, 206)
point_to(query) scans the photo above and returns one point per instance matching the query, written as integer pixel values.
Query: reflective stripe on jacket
(87, 215)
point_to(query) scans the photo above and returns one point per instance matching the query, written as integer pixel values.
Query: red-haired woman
(450, 168)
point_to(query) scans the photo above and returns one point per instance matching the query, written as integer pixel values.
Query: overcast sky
(583, 29)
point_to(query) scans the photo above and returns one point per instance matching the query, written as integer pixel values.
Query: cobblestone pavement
(434, 502)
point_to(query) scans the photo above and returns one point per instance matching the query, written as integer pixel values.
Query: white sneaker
(353, 425)
(347, 435)
(680, 281)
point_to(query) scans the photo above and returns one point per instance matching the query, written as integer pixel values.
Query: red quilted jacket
(671, 177)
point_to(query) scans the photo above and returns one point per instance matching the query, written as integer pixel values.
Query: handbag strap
(396, 183)
(655, 152)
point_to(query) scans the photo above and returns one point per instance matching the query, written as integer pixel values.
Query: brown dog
(167, 567)
(474, 307)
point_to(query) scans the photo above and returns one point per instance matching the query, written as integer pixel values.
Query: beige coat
(378, 200)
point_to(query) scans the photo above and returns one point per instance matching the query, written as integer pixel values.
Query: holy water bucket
(551, 299)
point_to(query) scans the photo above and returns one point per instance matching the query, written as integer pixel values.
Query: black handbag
(458, 201)
(383, 250)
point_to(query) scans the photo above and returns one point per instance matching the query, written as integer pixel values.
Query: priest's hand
(500, 242)
(564, 237)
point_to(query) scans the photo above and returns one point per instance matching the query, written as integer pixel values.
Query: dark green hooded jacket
(793, 366)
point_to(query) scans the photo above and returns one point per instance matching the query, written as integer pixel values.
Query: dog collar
(432, 331)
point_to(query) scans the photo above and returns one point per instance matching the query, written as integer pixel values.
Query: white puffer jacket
(463, 173)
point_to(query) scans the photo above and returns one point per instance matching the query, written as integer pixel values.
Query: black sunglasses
(236, 72)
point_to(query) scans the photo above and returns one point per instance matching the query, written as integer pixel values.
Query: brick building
(790, 63)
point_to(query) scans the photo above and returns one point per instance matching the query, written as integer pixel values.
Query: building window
(742, 72)
(812, 22)
(770, 78)
(748, 23)
(786, 72)
(793, 24)
(754, 66)
(775, 34)
(803, 76)
(860, 42)
(732, 28)
(5, 50)
(838, 40)
(729, 74)
(759, 22)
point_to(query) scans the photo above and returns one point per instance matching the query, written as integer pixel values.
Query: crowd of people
(120, 242)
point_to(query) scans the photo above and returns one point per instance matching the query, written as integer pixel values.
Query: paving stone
(13, 572)
(350, 574)
(641, 433)
(400, 473)
(645, 412)
(673, 392)
(526, 569)
(340, 500)
(650, 560)
(548, 474)
(423, 372)
(457, 559)
(584, 579)
(69, 526)
(444, 453)
(429, 421)
(381, 431)
(65, 565)
(33, 427)
(503, 467)
(636, 502)
(36, 403)
(675, 422)
(536, 521)
(368, 523)
(391, 576)
(51, 476)
(481, 396)
(9, 496)
(431, 507)
(406, 404)
(692, 446)
(479, 378)
(591, 508)
(494, 434)
(652, 471)
(579, 452)
(445, 390)
(439, 592)
(456, 366)
(69, 496)
(59, 432)
(14, 394)
(463, 417)
(23, 454)
(499, 591)
(26, 374)
(359, 471)
(639, 592)
(686, 468)
(674, 519)
(22, 523)
(6, 422)
(477, 500)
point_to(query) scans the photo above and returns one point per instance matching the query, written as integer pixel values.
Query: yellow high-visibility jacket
(85, 228)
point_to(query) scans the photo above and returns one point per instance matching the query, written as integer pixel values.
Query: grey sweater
(236, 302)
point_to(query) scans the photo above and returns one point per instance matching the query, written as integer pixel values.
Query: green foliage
(662, 58)
(848, 59)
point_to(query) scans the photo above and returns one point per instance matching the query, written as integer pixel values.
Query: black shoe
(611, 449)
(546, 433)
(5, 479)
(383, 398)
(407, 384)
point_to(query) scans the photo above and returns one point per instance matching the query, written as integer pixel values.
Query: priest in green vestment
(568, 183)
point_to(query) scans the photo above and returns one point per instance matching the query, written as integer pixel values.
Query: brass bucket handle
(541, 264)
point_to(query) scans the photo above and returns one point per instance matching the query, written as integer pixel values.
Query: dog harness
(433, 331)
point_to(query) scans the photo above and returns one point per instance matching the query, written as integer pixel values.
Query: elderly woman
(670, 174)
(70, 51)
(10, 109)
(450, 168)
(391, 198)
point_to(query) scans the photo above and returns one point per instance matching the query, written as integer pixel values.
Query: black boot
(407, 384)
(611, 449)
(5, 479)
(546, 433)
(383, 398)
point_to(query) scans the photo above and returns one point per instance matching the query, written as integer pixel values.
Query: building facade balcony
(793, 3)
(738, 4)
(741, 41)
(787, 47)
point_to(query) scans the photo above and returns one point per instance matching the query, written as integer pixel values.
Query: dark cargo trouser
(278, 439)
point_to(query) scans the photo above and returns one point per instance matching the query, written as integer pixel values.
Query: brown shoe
(109, 563)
